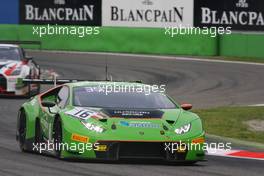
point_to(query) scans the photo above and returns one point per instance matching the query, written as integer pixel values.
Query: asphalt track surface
(204, 84)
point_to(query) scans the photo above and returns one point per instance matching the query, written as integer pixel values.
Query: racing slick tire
(38, 136)
(22, 130)
(58, 137)
(27, 145)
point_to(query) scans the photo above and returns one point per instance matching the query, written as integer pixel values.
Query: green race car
(110, 121)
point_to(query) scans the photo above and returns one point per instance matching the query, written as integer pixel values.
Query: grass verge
(230, 122)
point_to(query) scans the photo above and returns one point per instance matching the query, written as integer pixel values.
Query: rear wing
(50, 81)
(22, 42)
(65, 81)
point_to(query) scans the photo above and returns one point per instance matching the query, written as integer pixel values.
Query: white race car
(15, 66)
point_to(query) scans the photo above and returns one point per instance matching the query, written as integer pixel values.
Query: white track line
(219, 152)
(257, 105)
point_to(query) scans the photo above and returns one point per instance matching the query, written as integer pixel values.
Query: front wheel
(22, 129)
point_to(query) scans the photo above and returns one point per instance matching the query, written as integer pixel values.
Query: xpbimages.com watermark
(170, 147)
(51, 146)
(122, 88)
(78, 31)
(189, 30)
(180, 146)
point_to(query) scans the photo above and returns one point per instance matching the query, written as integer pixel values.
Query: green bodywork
(171, 118)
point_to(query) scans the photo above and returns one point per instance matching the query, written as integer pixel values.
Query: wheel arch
(31, 116)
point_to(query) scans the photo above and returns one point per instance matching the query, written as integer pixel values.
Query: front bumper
(118, 150)
(9, 86)
(114, 147)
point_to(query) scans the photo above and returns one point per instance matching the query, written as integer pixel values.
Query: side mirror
(48, 104)
(28, 58)
(186, 106)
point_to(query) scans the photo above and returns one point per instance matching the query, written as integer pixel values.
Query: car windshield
(9, 53)
(93, 97)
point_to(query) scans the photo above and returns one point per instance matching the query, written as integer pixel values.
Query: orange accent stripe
(200, 140)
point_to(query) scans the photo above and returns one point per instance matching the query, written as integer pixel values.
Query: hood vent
(171, 122)
(103, 120)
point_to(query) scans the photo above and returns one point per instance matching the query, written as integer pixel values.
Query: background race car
(14, 66)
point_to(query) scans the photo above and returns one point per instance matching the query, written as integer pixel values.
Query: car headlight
(16, 72)
(93, 127)
(183, 129)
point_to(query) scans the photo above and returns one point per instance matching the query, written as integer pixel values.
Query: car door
(49, 96)
(47, 114)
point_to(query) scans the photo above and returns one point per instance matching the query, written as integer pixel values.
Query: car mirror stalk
(49, 105)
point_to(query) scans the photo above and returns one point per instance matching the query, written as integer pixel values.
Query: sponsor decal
(81, 113)
(147, 13)
(120, 113)
(101, 148)
(79, 138)
(77, 12)
(129, 113)
(139, 124)
(245, 15)
(183, 129)
(93, 127)
(242, 3)
(181, 149)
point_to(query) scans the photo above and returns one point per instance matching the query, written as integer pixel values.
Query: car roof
(9, 45)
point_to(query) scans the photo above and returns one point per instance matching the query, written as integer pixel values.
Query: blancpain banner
(242, 15)
(147, 13)
(68, 12)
